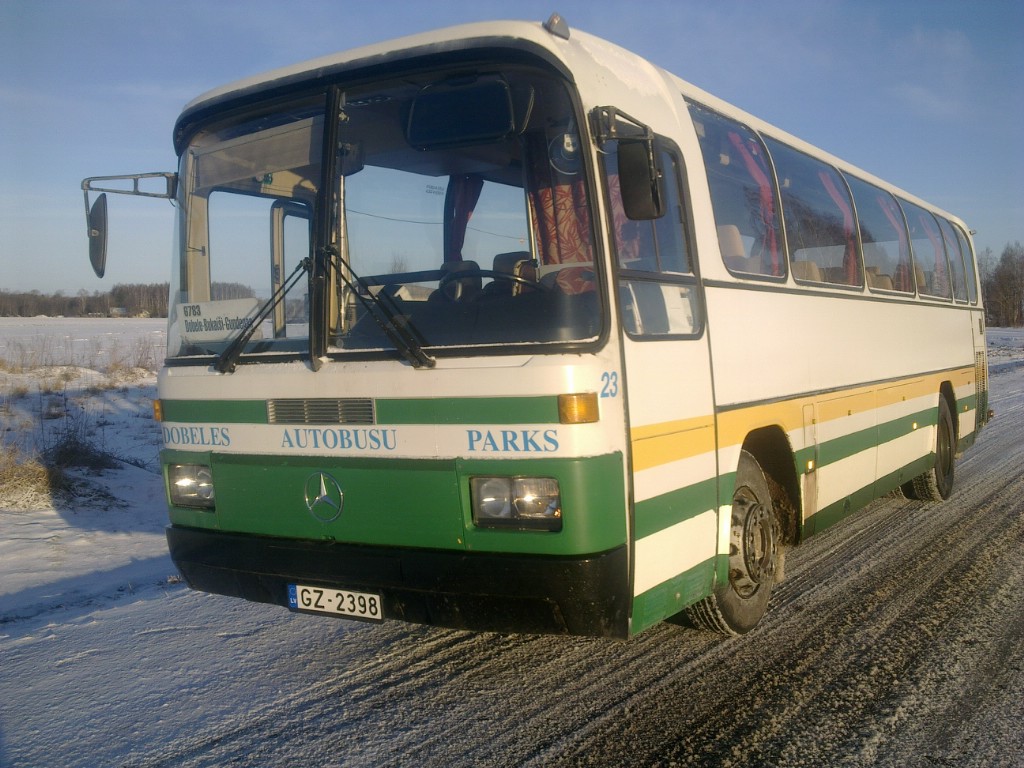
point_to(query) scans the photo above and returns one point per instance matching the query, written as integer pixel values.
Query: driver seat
(513, 263)
(460, 288)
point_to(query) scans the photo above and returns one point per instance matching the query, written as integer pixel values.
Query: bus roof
(580, 50)
(496, 34)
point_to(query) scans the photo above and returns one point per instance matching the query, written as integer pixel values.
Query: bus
(503, 328)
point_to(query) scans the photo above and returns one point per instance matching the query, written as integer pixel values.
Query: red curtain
(561, 219)
(459, 202)
(902, 280)
(851, 267)
(940, 280)
(766, 194)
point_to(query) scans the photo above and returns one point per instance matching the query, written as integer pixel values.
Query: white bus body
(636, 344)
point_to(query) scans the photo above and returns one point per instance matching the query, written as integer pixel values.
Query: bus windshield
(451, 207)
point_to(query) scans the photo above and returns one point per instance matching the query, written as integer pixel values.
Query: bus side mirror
(164, 185)
(97, 221)
(640, 179)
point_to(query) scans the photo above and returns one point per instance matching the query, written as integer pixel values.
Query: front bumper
(481, 591)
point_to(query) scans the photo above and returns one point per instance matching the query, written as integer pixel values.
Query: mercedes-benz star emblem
(324, 498)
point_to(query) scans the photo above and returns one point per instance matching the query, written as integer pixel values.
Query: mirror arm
(96, 214)
(92, 184)
(612, 124)
(644, 199)
(95, 184)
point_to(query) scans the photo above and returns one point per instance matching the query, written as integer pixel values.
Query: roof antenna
(557, 26)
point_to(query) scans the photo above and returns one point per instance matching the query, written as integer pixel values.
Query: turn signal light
(578, 408)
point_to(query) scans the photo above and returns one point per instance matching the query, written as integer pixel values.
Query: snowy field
(93, 342)
(870, 656)
(1004, 349)
(61, 376)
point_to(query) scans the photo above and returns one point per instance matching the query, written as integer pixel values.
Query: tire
(755, 551)
(937, 483)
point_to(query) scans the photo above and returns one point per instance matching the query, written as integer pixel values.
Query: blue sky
(928, 95)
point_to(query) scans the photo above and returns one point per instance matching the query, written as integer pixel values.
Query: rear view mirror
(163, 185)
(640, 179)
(98, 235)
(350, 159)
(453, 115)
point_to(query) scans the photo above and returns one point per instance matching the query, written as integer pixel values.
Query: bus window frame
(902, 242)
(852, 236)
(928, 296)
(970, 264)
(946, 229)
(664, 149)
(695, 108)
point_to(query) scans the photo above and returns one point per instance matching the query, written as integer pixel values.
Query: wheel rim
(752, 556)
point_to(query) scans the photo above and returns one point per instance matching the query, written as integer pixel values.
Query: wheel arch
(772, 449)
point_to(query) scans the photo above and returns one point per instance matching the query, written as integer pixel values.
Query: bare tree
(1004, 288)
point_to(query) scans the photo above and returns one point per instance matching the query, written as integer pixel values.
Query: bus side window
(956, 261)
(818, 215)
(965, 248)
(930, 266)
(657, 287)
(743, 194)
(883, 233)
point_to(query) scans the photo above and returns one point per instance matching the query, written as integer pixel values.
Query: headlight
(190, 485)
(522, 503)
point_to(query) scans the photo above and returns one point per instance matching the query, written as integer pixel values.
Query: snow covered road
(896, 640)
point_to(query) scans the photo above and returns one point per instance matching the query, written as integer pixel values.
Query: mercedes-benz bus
(502, 327)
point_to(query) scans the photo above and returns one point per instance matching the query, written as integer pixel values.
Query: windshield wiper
(228, 360)
(381, 306)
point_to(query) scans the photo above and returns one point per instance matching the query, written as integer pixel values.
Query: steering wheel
(450, 277)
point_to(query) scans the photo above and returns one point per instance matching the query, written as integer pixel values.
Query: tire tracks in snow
(890, 627)
(894, 641)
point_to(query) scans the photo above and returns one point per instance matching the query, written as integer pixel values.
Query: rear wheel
(755, 542)
(937, 483)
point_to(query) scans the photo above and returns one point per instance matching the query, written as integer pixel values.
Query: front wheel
(755, 550)
(937, 483)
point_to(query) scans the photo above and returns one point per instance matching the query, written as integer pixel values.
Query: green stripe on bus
(661, 512)
(866, 439)
(468, 410)
(891, 430)
(838, 510)
(422, 503)
(670, 597)
(848, 445)
(215, 411)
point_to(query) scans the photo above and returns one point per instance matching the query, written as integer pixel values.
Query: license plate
(337, 602)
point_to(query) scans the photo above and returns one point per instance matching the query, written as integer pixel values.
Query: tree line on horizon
(123, 300)
(131, 300)
(1002, 284)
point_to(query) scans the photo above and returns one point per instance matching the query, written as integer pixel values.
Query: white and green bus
(502, 327)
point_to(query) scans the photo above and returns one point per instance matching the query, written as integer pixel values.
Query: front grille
(321, 410)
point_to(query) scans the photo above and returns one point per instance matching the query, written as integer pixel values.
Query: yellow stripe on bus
(662, 443)
(657, 444)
